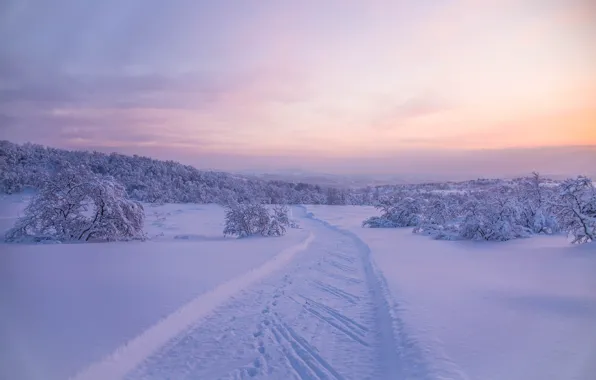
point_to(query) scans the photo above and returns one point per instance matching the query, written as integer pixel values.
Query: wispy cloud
(191, 90)
(415, 107)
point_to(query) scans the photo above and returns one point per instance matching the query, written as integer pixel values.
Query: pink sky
(320, 79)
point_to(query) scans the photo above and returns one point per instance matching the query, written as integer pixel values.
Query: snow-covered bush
(78, 205)
(396, 212)
(491, 216)
(492, 219)
(534, 203)
(249, 219)
(279, 221)
(438, 218)
(245, 219)
(576, 209)
(498, 210)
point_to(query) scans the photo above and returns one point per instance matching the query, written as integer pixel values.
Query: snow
(523, 309)
(322, 317)
(65, 306)
(331, 300)
(132, 354)
(11, 208)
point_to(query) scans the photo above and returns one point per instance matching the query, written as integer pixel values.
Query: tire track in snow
(323, 312)
(342, 256)
(341, 277)
(317, 320)
(337, 320)
(342, 267)
(130, 355)
(285, 326)
(401, 355)
(303, 357)
(389, 353)
(336, 291)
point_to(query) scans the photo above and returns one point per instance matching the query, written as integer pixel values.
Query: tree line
(503, 211)
(155, 181)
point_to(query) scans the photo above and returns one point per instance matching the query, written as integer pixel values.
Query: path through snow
(327, 315)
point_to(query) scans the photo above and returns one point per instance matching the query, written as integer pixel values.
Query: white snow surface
(331, 300)
(66, 306)
(519, 310)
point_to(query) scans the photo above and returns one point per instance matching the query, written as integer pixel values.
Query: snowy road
(325, 315)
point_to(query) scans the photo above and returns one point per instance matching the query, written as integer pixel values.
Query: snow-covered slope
(519, 310)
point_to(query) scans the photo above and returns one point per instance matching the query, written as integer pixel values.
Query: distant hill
(326, 179)
(151, 180)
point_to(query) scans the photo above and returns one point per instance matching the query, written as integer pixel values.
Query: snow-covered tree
(249, 219)
(493, 218)
(576, 209)
(279, 221)
(396, 212)
(438, 218)
(495, 210)
(76, 205)
(154, 181)
(438, 211)
(244, 220)
(534, 202)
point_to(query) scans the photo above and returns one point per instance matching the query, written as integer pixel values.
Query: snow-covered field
(523, 309)
(328, 301)
(65, 306)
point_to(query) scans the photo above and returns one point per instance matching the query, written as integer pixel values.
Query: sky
(461, 86)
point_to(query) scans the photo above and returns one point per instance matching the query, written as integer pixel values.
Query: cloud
(420, 106)
(198, 109)
(113, 91)
(49, 87)
(415, 107)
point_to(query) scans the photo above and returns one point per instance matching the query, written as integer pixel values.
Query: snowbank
(518, 310)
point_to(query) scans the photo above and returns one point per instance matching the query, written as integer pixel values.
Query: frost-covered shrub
(482, 216)
(77, 205)
(534, 204)
(499, 210)
(279, 221)
(492, 219)
(437, 219)
(576, 209)
(379, 222)
(491, 216)
(10, 182)
(244, 220)
(437, 212)
(396, 212)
